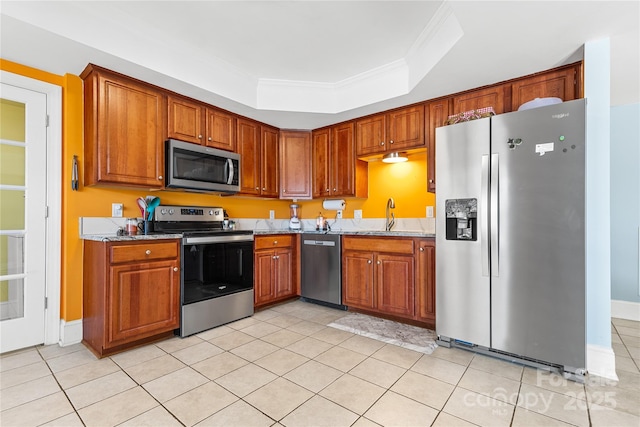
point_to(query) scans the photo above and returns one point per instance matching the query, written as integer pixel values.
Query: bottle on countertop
(319, 222)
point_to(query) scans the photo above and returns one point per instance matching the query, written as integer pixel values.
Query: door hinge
(46, 211)
(46, 303)
(46, 121)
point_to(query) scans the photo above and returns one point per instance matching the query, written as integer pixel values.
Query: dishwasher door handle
(319, 243)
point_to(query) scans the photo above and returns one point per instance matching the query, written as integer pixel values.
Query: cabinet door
(321, 162)
(370, 135)
(437, 114)
(425, 281)
(357, 279)
(490, 97)
(264, 289)
(249, 150)
(395, 275)
(269, 179)
(221, 130)
(283, 273)
(185, 120)
(143, 300)
(131, 125)
(343, 161)
(295, 165)
(560, 84)
(406, 128)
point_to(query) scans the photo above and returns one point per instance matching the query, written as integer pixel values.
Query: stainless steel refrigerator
(510, 234)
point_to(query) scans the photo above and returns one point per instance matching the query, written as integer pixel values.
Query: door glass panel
(12, 208)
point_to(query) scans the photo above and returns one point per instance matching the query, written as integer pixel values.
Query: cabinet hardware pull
(421, 249)
(160, 177)
(382, 143)
(175, 268)
(391, 142)
(327, 190)
(368, 261)
(335, 189)
(275, 242)
(257, 188)
(431, 181)
(209, 138)
(277, 256)
(264, 188)
(378, 262)
(148, 252)
(199, 136)
(273, 257)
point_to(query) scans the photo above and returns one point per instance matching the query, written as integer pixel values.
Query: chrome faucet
(390, 205)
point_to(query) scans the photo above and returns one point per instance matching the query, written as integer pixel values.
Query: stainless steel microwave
(197, 168)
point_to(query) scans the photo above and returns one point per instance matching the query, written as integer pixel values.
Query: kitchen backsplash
(110, 226)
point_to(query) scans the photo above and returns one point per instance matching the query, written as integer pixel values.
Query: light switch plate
(116, 210)
(272, 214)
(357, 214)
(429, 211)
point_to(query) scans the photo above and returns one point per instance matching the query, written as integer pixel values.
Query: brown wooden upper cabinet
(124, 126)
(395, 130)
(563, 84)
(336, 171)
(295, 164)
(199, 123)
(258, 148)
(488, 97)
(437, 114)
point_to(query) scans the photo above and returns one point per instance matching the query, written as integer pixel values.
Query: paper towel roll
(334, 205)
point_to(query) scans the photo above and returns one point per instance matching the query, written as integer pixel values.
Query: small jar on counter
(131, 227)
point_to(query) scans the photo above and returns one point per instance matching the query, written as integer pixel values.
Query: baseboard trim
(625, 310)
(70, 332)
(601, 361)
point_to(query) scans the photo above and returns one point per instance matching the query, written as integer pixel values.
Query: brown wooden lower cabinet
(426, 281)
(390, 276)
(131, 293)
(275, 268)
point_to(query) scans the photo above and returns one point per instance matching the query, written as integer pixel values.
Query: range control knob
(211, 212)
(171, 211)
(163, 211)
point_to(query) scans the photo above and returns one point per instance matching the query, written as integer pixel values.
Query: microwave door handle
(231, 171)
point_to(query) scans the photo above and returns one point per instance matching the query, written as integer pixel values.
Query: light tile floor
(283, 366)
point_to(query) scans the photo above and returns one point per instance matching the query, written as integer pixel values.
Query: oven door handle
(218, 239)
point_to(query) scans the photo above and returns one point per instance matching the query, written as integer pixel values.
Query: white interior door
(23, 201)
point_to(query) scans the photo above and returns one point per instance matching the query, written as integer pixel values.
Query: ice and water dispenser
(462, 219)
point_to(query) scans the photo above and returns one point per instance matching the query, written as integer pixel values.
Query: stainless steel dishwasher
(321, 269)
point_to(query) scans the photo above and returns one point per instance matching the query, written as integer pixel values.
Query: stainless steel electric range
(216, 266)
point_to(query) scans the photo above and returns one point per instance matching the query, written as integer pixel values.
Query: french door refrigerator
(510, 233)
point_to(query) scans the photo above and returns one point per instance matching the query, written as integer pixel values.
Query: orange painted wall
(405, 182)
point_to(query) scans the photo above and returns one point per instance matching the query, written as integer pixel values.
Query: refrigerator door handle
(484, 215)
(495, 218)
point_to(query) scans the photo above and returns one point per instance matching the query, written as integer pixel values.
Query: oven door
(213, 267)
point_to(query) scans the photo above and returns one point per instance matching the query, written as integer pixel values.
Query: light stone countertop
(399, 233)
(137, 237)
(105, 229)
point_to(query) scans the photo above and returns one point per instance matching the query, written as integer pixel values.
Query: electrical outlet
(429, 211)
(357, 214)
(272, 214)
(339, 214)
(116, 210)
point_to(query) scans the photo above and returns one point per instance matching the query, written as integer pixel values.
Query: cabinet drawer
(378, 244)
(143, 252)
(275, 241)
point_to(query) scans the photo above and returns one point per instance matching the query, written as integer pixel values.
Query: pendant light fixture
(395, 157)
